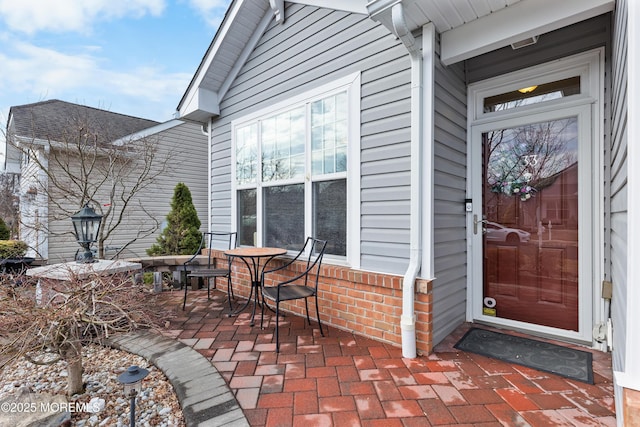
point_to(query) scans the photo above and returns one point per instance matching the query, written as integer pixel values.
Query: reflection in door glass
(530, 237)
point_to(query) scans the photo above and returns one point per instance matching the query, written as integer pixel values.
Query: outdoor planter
(15, 265)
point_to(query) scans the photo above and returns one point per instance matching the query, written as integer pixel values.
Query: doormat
(563, 361)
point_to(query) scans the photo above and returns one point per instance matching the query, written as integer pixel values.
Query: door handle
(476, 222)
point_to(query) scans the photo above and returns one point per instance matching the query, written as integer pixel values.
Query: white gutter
(408, 317)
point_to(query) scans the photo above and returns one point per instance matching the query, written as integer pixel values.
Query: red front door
(530, 223)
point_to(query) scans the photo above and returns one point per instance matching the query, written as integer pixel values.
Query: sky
(134, 57)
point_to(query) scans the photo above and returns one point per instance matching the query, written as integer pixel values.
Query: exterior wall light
(528, 89)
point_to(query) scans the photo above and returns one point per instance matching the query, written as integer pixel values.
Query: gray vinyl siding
(188, 149)
(450, 163)
(618, 174)
(220, 179)
(314, 47)
(566, 41)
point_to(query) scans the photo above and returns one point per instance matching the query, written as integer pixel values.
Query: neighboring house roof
(468, 28)
(49, 120)
(180, 155)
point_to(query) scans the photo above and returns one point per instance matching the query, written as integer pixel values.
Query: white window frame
(350, 84)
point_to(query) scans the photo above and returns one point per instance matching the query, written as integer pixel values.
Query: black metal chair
(212, 271)
(303, 285)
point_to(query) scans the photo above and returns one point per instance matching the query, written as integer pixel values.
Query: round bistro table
(251, 257)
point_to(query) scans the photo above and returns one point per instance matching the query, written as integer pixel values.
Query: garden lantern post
(86, 224)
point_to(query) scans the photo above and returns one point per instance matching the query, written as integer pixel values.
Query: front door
(531, 218)
(529, 226)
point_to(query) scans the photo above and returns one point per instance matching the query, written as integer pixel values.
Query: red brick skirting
(631, 407)
(364, 303)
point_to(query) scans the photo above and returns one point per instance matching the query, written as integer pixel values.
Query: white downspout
(408, 317)
(209, 134)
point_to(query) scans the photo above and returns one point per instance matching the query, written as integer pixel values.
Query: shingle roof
(51, 120)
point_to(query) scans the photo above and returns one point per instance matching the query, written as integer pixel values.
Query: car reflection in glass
(499, 233)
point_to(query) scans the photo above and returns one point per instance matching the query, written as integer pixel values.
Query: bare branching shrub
(51, 321)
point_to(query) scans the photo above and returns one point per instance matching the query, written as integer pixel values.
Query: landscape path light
(132, 381)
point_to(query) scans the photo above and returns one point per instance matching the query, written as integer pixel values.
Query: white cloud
(37, 65)
(211, 11)
(47, 74)
(31, 16)
(31, 71)
(31, 68)
(148, 83)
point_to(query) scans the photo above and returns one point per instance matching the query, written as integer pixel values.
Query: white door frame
(588, 107)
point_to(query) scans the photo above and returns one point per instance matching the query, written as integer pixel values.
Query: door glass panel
(530, 227)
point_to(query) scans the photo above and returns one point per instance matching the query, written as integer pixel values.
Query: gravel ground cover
(157, 404)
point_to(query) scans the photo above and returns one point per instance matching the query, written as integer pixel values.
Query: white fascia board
(353, 6)
(202, 100)
(148, 132)
(526, 18)
(27, 141)
(186, 105)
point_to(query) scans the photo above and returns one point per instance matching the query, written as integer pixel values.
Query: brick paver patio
(346, 380)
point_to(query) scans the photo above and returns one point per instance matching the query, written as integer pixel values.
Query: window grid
(307, 141)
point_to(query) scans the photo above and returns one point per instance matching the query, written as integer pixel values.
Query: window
(291, 174)
(533, 94)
